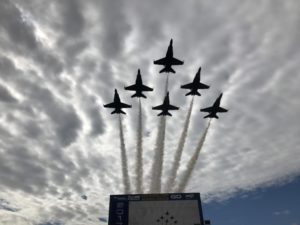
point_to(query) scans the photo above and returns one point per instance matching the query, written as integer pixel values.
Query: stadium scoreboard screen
(156, 209)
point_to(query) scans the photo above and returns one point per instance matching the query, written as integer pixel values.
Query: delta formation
(167, 62)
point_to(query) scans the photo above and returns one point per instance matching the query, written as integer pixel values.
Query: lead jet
(213, 110)
(195, 85)
(165, 107)
(117, 104)
(169, 60)
(138, 87)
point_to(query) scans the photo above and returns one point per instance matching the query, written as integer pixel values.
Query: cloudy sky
(61, 60)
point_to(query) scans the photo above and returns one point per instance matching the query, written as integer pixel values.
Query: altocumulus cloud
(61, 60)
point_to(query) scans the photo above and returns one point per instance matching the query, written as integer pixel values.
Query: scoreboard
(156, 209)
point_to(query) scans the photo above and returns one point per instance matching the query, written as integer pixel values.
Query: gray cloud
(16, 28)
(7, 67)
(19, 37)
(73, 20)
(50, 223)
(115, 26)
(4, 205)
(6, 96)
(61, 60)
(20, 169)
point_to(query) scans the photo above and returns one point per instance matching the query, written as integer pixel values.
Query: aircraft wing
(161, 61)
(123, 105)
(202, 86)
(146, 88)
(110, 105)
(159, 107)
(176, 61)
(131, 88)
(220, 109)
(172, 107)
(188, 86)
(209, 109)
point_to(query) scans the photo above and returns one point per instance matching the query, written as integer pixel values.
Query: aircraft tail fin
(167, 70)
(118, 112)
(211, 116)
(189, 93)
(193, 93)
(164, 114)
(138, 95)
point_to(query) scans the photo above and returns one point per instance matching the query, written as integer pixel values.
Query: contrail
(167, 84)
(126, 180)
(139, 153)
(157, 166)
(176, 163)
(190, 167)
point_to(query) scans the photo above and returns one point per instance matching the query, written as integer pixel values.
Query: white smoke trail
(157, 165)
(126, 181)
(139, 153)
(176, 163)
(190, 167)
(167, 84)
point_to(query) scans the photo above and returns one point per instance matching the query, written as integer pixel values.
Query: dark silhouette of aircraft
(117, 104)
(165, 107)
(213, 110)
(195, 85)
(169, 60)
(138, 87)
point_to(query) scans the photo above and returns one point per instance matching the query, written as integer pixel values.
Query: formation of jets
(168, 61)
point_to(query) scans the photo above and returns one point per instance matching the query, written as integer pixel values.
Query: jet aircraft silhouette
(213, 110)
(117, 104)
(169, 60)
(138, 87)
(195, 85)
(165, 107)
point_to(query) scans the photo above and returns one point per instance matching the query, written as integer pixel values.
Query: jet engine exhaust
(176, 163)
(139, 153)
(190, 167)
(126, 181)
(157, 166)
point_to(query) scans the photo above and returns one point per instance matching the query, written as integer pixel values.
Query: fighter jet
(213, 110)
(138, 87)
(117, 104)
(165, 107)
(195, 85)
(169, 60)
